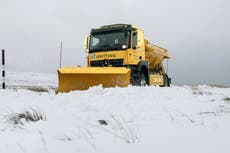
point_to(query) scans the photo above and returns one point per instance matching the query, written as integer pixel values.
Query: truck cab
(115, 45)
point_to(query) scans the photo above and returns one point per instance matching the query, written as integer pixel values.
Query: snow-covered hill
(113, 120)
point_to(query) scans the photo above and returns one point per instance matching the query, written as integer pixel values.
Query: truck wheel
(143, 81)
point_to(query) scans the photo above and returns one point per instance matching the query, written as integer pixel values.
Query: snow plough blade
(81, 78)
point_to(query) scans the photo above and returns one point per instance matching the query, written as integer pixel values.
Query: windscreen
(116, 40)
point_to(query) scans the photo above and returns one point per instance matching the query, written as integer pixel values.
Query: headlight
(124, 46)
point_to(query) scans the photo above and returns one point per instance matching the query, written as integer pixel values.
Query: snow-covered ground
(113, 120)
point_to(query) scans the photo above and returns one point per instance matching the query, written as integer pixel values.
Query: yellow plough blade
(81, 78)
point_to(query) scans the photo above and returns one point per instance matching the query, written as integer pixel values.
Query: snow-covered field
(179, 119)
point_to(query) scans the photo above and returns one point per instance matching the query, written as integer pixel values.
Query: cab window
(134, 40)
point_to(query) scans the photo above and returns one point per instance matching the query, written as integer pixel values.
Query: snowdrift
(133, 119)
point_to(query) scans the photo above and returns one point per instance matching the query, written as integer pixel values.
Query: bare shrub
(119, 128)
(37, 89)
(197, 91)
(226, 99)
(194, 88)
(218, 86)
(29, 115)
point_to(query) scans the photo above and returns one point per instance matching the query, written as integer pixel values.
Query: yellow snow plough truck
(118, 55)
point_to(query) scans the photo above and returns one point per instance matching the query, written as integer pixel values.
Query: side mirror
(86, 43)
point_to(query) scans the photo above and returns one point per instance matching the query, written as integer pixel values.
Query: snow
(139, 119)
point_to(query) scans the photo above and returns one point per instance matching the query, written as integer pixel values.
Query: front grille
(114, 62)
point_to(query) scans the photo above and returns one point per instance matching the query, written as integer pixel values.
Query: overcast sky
(195, 32)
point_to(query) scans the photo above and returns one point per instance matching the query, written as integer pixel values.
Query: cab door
(138, 46)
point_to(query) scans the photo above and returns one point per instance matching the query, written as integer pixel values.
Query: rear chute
(81, 78)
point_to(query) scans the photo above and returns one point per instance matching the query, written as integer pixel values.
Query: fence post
(3, 71)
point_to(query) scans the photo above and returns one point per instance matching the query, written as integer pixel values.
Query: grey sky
(195, 32)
